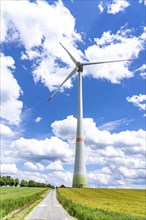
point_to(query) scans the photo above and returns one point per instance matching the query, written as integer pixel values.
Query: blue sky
(37, 137)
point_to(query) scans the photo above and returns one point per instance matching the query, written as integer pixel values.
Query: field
(13, 198)
(104, 204)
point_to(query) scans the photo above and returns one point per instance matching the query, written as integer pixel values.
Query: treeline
(9, 181)
(32, 183)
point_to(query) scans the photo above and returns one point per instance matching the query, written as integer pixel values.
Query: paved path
(49, 209)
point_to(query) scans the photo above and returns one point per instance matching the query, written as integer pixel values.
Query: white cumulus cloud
(65, 129)
(39, 150)
(38, 119)
(114, 6)
(117, 6)
(11, 106)
(56, 165)
(138, 101)
(142, 71)
(32, 166)
(116, 45)
(100, 7)
(9, 168)
(6, 131)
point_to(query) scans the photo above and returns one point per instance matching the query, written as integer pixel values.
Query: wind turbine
(79, 177)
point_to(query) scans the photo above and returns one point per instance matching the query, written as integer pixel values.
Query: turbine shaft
(68, 77)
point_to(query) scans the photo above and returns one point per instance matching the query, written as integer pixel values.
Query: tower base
(79, 181)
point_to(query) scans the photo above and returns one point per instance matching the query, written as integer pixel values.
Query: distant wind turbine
(79, 177)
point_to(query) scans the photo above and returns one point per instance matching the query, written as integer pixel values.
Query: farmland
(102, 204)
(13, 198)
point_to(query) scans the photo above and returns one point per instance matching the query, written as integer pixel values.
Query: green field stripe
(15, 198)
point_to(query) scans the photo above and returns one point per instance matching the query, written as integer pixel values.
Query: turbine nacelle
(80, 66)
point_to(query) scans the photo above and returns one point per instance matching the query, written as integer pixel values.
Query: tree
(31, 183)
(23, 183)
(50, 186)
(4, 179)
(2, 183)
(8, 180)
(11, 182)
(16, 182)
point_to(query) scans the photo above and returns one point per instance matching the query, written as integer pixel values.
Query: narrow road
(49, 209)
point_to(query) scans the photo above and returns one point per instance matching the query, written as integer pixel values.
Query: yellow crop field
(108, 204)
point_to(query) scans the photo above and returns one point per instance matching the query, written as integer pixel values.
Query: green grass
(102, 204)
(13, 198)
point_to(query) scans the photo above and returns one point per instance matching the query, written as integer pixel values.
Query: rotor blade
(72, 58)
(69, 76)
(111, 61)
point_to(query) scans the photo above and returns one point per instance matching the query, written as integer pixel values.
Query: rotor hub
(80, 67)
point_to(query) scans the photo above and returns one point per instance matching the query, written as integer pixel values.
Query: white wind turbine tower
(79, 177)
